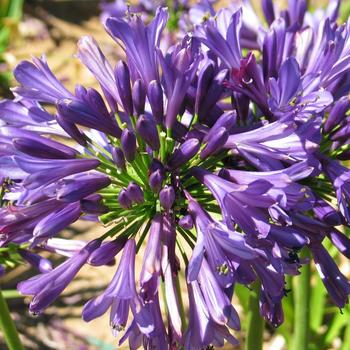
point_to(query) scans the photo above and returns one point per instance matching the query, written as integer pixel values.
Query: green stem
(301, 294)
(8, 327)
(346, 341)
(11, 294)
(255, 323)
(181, 304)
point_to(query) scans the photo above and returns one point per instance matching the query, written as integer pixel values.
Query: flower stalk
(301, 293)
(255, 323)
(8, 326)
(242, 160)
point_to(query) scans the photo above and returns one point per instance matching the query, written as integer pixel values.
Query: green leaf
(242, 294)
(15, 10)
(318, 299)
(346, 340)
(345, 11)
(337, 325)
(286, 328)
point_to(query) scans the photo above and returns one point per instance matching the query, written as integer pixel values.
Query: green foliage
(326, 323)
(345, 11)
(10, 15)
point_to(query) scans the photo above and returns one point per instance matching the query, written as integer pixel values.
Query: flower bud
(42, 148)
(135, 193)
(198, 131)
(94, 99)
(93, 205)
(118, 158)
(183, 154)
(71, 190)
(91, 113)
(80, 91)
(326, 213)
(147, 129)
(215, 143)
(139, 97)
(122, 77)
(155, 97)
(214, 92)
(156, 179)
(156, 165)
(41, 264)
(55, 222)
(106, 252)
(186, 222)
(179, 131)
(227, 120)
(71, 129)
(337, 113)
(128, 141)
(167, 197)
(182, 60)
(268, 9)
(124, 200)
(206, 74)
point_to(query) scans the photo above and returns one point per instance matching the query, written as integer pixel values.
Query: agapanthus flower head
(235, 153)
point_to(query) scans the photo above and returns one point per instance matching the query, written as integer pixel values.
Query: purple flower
(339, 176)
(247, 79)
(128, 142)
(291, 95)
(155, 97)
(106, 252)
(179, 70)
(21, 115)
(74, 189)
(203, 330)
(135, 193)
(65, 247)
(336, 283)
(167, 197)
(118, 157)
(150, 273)
(267, 146)
(186, 222)
(46, 287)
(337, 113)
(93, 58)
(156, 179)
(140, 42)
(139, 96)
(120, 290)
(56, 221)
(228, 140)
(122, 77)
(42, 172)
(220, 244)
(124, 199)
(91, 113)
(41, 264)
(38, 82)
(224, 42)
(30, 143)
(215, 143)
(329, 56)
(271, 308)
(147, 128)
(184, 153)
(235, 199)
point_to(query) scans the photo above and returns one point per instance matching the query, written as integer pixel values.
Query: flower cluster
(221, 155)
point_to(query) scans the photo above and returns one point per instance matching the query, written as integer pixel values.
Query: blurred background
(53, 27)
